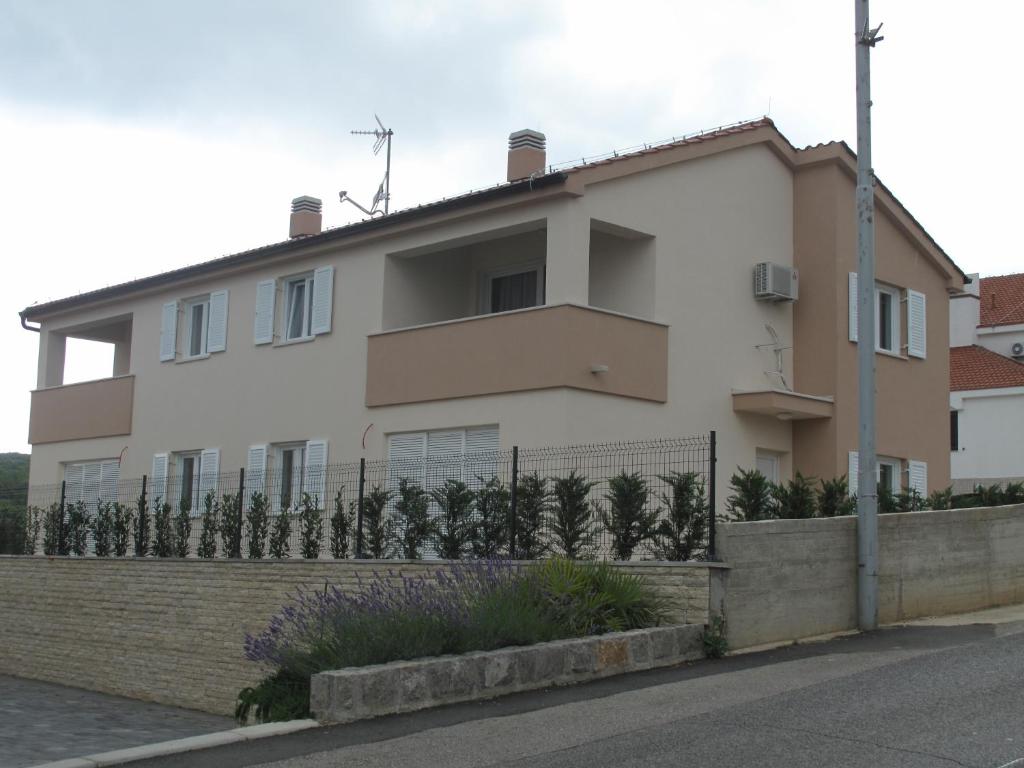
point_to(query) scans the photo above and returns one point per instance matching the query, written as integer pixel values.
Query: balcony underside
(783, 405)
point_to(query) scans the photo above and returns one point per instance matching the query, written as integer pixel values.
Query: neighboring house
(986, 384)
(610, 300)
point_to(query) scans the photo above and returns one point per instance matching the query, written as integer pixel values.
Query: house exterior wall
(909, 426)
(991, 422)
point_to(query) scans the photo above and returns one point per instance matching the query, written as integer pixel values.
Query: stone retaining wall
(344, 695)
(171, 630)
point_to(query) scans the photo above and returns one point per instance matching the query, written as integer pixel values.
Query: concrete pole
(867, 489)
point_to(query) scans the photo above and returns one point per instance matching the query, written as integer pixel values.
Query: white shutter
(917, 324)
(92, 477)
(256, 469)
(918, 476)
(853, 473)
(209, 474)
(445, 457)
(168, 331)
(217, 327)
(481, 460)
(407, 458)
(314, 472)
(73, 476)
(110, 472)
(323, 300)
(263, 332)
(158, 477)
(853, 306)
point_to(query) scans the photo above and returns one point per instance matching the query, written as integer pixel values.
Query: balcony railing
(101, 408)
(539, 348)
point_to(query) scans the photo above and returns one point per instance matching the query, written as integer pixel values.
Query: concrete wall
(790, 579)
(171, 631)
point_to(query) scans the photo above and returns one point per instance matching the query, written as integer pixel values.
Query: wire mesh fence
(626, 500)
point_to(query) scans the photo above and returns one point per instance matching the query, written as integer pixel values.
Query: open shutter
(853, 306)
(168, 331)
(158, 478)
(209, 474)
(110, 472)
(323, 300)
(314, 470)
(263, 332)
(853, 474)
(917, 324)
(918, 476)
(256, 469)
(217, 328)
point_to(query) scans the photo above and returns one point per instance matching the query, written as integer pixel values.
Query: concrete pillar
(568, 255)
(52, 347)
(122, 357)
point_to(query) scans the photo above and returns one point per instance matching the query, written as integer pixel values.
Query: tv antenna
(382, 137)
(778, 348)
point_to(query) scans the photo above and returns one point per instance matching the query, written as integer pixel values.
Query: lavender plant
(311, 527)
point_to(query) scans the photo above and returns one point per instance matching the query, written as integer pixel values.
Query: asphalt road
(911, 696)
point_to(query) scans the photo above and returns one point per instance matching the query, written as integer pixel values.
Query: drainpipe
(24, 323)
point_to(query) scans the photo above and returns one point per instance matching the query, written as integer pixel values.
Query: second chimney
(526, 154)
(306, 217)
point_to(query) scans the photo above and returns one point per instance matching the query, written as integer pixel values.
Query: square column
(568, 254)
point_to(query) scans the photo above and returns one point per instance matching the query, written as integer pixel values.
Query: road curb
(179, 746)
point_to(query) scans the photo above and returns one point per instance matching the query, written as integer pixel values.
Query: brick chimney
(306, 217)
(526, 154)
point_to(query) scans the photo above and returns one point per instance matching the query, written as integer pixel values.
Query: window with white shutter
(323, 300)
(256, 469)
(430, 458)
(109, 480)
(917, 324)
(217, 326)
(407, 454)
(263, 331)
(73, 477)
(168, 331)
(92, 481)
(209, 475)
(314, 472)
(853, 472)
(918, 476)
(481, 459)
(158, 477)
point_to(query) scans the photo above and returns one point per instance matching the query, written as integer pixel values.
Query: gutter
(24, 323)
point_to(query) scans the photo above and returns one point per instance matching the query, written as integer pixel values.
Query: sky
(137, 136)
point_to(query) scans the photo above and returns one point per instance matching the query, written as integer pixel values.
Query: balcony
(544, 347)
(101, 408)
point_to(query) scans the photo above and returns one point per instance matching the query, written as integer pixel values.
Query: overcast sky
(138, 136)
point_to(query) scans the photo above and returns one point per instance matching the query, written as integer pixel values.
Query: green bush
(627, 518)
(680, 535)
(751, 498)
(14, 526)
(455, 529)
(414, 526)
(311, 527)
(142, 525)
(342, 525)
(795, 500)
(257, 522)
(281, 536)
(124, 520)
(533, 506)
(834, 499)
(378, 528)
(102, 529)
(989, 496)
(163, 529)
(940, 499)
(230, 514)
(1013, 493)
(909, 500)
(78, 528)
(208, 531)
(490, 531)
(572, 520)
(887, 501)
(55, 532)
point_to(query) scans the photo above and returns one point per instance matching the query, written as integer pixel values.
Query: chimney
(526, 154)
(306, 217)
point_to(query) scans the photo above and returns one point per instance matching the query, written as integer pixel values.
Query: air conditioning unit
(1017, 349)
(774, 282)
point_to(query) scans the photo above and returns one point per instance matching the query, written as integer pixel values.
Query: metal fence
(514, 503)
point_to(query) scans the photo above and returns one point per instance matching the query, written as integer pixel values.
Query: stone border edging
(178, 746)
(356, 693)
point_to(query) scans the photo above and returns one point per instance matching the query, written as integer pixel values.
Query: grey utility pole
(867, 488)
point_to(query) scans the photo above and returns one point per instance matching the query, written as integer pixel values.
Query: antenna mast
(382, 137)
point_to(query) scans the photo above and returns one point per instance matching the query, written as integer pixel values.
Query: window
(205, 327)
(290, 465)
(430, 458)
(91, 481)
(768, 465)
(954, 430)
(188, 467)
(513, 288)
(889, 473)
(888, 330)
(887, 319)
(298, 307)
(197, 317)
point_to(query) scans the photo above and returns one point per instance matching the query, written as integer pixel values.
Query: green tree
(627, 518)
(795, 500)
(751, 497)
(572, 519)
(680, 535)
(834, 499)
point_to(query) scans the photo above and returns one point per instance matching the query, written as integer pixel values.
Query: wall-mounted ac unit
(1017, 349)
(774, 282)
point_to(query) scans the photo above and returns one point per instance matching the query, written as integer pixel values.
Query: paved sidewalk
(43, 722)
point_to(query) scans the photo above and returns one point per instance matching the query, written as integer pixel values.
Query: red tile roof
(979, 368)
(1002, 300)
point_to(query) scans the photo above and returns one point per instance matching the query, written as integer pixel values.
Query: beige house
(612, 300)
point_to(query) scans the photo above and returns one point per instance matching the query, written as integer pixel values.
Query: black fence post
(60, 528)
(241, 509)
(712, 462)
(359, 508)
(513, 503)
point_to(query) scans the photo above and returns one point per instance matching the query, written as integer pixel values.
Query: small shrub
(887, 501)
(1013, 493)
(103, 529)
(940, 499)
(572, 524)
(142, 523)
(281, 535)
(455, 529)
(230, 514)
(834, 499)
(533, 504)
(78, 528)
(490, 531)
(795, 500)
(124, 520)
(909, 500)
(183, 528)
(627, 518)
(33, 522)
(716, 644)
(680, 536)
(14, 526)
(163, 530)
(208, 530)
(311, 527)
(378, 528)
(55, 532)
(414, 526)
(257, 518)
(989, 496)
(752, 497)
(281, 696)
(342, 526)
